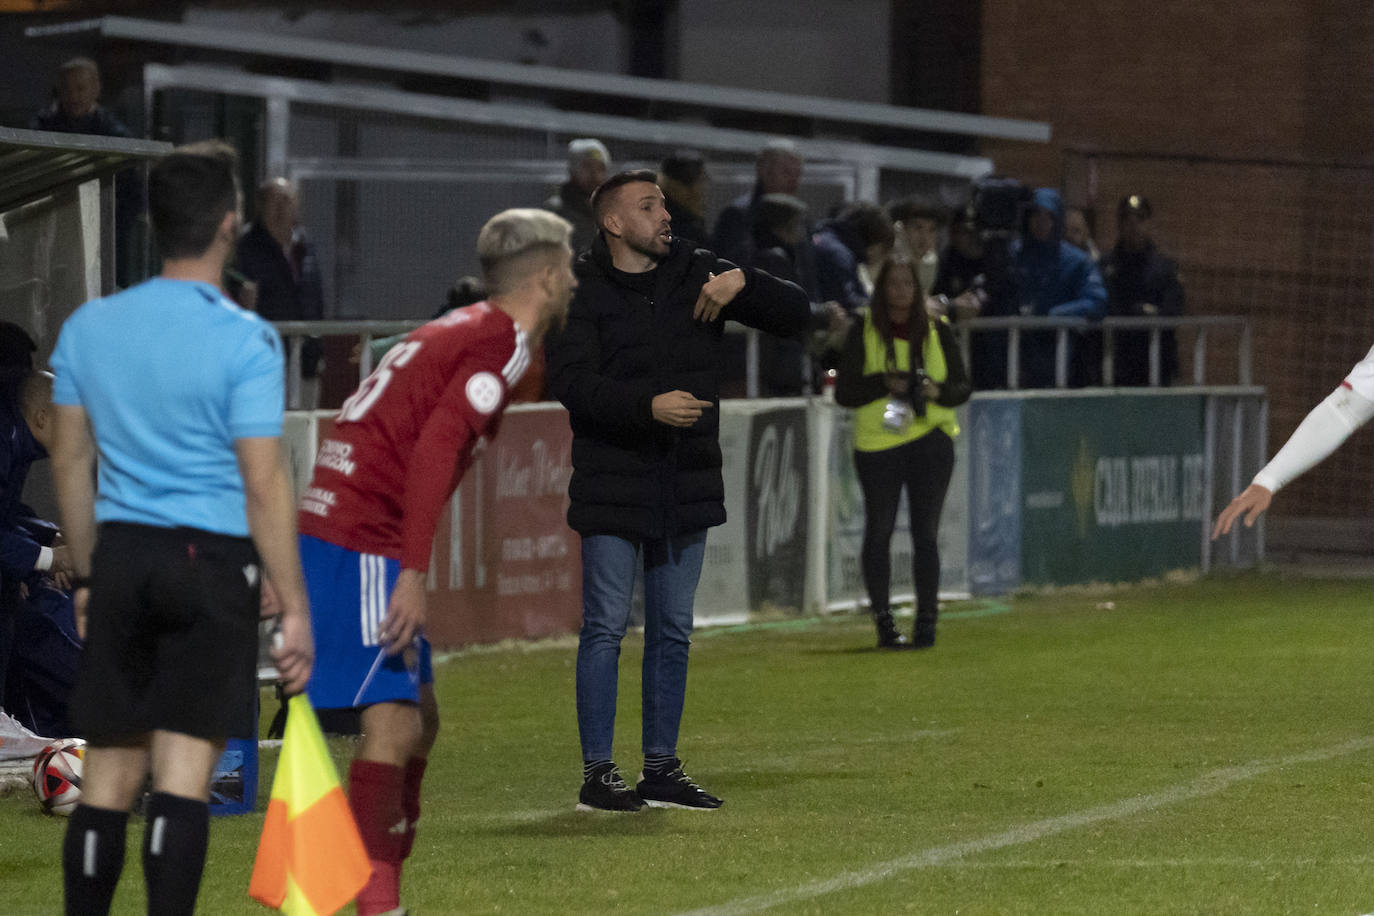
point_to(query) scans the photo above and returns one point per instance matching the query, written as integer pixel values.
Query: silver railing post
(1061, 357)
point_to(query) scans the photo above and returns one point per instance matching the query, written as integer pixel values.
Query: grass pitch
(1180, 748)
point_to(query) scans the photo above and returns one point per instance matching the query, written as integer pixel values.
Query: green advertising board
(1112, 487)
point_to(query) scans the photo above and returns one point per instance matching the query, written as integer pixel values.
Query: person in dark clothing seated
(1141, 283)
(27, 545)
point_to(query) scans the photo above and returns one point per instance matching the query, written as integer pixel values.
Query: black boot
(924, 635)
(888, 637)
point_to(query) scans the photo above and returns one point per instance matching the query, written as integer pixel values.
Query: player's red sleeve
(470, 403)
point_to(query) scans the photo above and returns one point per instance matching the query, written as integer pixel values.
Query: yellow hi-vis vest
(869, 433)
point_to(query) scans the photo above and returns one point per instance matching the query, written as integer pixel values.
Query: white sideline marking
(1206, 784)
(1208, 861)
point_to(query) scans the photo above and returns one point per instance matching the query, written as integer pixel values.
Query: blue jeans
(672, 567)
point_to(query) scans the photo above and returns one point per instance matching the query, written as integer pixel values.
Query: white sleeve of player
(1323, 430)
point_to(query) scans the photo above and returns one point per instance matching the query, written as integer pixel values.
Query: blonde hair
(510, 237)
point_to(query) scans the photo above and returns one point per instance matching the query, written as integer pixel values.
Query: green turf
(1187, 751)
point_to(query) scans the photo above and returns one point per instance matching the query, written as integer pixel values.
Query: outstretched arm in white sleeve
(1323, 430)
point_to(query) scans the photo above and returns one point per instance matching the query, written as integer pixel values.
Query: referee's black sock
(92, 858)
(174, 843)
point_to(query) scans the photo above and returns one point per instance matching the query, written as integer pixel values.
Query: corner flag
(311, 859)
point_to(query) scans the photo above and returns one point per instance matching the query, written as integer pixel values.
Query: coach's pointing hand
(717, 293)
(405, 615)
(678, 408)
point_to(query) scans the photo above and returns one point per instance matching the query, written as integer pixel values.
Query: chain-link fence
(1289, 246)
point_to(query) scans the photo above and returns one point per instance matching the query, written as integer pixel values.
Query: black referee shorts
(171, 636)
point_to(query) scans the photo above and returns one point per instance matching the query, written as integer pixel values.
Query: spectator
(784, 369)
(778, 170)
(918, 230)
(76, 109)
(277, 274)
(1055, 279)
(902, 373)
(588, 163)
(1078, 232)
(636, 368)
(281, 275)
(861, 234)
(682, 176)
(975, 286)
(1141, 283)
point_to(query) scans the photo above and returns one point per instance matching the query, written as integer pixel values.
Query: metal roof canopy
(157, 77)
(35, 163)
(553, 79)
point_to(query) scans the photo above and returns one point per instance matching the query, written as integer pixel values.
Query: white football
(57, 776)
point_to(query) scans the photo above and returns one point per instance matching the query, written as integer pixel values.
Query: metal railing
(295, 332)
(1063, 328)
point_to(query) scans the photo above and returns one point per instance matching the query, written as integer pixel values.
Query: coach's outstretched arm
(1328, 425)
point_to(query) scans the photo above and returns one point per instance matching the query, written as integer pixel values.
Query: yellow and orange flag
(311, 859)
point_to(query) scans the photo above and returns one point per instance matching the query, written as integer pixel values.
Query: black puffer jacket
(633, 476)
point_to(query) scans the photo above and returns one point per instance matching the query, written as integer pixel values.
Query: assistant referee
(179, 391)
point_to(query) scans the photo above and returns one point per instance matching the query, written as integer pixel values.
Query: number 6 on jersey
(372, 387)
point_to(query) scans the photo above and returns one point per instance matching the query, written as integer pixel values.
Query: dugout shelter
(57, 223)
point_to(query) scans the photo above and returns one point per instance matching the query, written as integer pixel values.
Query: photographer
(976, 274)
(902, 373)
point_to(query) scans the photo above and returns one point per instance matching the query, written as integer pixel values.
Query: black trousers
(923, 468)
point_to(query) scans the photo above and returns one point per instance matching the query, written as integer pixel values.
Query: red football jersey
(402, 442)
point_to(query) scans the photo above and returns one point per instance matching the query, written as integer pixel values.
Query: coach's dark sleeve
(767, 303)
(573, 370)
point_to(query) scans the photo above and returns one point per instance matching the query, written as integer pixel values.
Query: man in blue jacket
(1054, 278)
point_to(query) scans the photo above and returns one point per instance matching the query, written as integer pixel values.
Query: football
(57, 776)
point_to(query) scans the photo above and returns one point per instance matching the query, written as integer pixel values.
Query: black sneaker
(605, 790)
(674, 789)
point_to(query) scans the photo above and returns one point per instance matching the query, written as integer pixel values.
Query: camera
(901, 410)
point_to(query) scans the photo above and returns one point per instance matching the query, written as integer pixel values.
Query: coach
(636, 367)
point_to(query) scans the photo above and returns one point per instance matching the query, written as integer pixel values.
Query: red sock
(410, 800)
(374, 793)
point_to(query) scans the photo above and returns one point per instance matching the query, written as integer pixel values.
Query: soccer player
(1329, 424)
(399, 447)
(179, 391)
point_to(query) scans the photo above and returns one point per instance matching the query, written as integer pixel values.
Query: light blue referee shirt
(170, 373)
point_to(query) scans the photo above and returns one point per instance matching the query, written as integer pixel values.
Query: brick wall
(1251, 128)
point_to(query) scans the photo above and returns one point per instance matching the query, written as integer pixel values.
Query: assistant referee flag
(311, 859)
